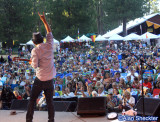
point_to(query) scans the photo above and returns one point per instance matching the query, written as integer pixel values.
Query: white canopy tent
(55, 46)
(127, 38)
(31, 42)
(67, 39)
(56, 41)
(100, 38)
(130, 25)
(116, 37)
(84, 38)
(133, 36)
(148, 35)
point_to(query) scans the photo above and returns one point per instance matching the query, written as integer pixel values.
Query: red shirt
(19, 97)
(148, 85)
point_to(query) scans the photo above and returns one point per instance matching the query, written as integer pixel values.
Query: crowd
(115, 73)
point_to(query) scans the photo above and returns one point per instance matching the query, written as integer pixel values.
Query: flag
(13, 42)
(78, 33)
(146, 36)
(93, 37)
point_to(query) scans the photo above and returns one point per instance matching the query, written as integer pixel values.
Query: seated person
(107, 85)
(116, 93)
(114, 104)
(128, 101)
(67, 93)
(58, 91)
(157, 96)
(101, 91)
(136, 83)
(147, 84)
(94, 94)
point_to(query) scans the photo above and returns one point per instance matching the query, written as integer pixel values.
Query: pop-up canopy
(84, 38)
(133, 36)
(31, 42)
(116, 37)
(100, 38)
(148, 35)
(67, 39)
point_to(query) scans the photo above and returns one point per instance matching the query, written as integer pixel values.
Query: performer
(42, 60)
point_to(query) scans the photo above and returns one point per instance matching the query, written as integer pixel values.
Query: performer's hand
(42, 17)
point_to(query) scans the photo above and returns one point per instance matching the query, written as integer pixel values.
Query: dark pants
(38, 86)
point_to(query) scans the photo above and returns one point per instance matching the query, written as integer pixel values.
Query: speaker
(91, 106)
(19, 104)
(66, 106)
(151, 106)
(65, 98)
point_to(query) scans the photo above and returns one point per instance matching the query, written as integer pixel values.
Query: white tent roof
(31, 42)
(148, 35)
(67, 39)
(116, 37)
(100, 38)
(56, 41)
(130, 25)
(127, 38)
(133, 36)
(84, 38)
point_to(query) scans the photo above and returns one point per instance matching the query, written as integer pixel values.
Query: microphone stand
(141, 72)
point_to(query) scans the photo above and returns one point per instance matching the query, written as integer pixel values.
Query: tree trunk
(98, 19)
(101, 18)
(124, 27)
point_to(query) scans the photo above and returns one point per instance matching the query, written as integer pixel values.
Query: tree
(16, 20)
(154, 6)
(69, 15)
(125, 10)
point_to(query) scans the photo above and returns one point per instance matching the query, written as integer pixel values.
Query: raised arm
(42, 17)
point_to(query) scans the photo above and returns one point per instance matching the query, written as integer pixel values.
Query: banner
(149, 24)
(93, 37)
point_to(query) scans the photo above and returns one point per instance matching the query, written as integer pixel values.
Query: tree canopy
(19, 18)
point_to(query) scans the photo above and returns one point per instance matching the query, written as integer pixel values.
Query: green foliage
(118, 10)
(19, 18)
(16, 20)
(69, 15)
(154, 6)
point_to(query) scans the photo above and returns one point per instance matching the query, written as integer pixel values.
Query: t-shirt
(148, 85)
(131, 101)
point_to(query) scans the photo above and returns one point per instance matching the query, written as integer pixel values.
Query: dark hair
(37, 38)
(97, 70)
(135, 78)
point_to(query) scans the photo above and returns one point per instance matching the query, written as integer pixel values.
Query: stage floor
(42, 116)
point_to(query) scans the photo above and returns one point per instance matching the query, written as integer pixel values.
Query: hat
(37, 38)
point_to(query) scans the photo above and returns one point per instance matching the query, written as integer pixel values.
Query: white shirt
(71, 94)
(102, 94)
(22, 83)
(131, 101)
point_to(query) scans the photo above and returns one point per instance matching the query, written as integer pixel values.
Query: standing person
(42, 60)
